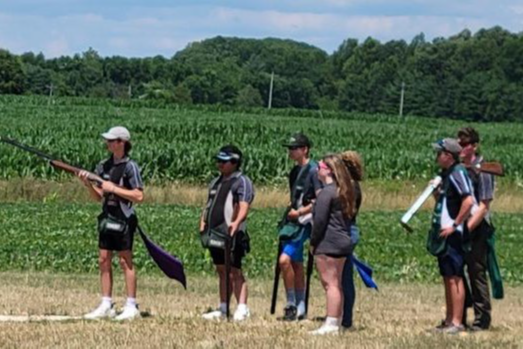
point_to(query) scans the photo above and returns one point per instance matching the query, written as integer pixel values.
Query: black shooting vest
(220, 205)
(299, 186)
(115, 173)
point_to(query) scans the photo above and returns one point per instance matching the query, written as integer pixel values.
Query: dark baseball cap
(228, 153)
(298, 140)
(449, 145)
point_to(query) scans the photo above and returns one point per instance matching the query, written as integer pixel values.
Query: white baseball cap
(118, 132)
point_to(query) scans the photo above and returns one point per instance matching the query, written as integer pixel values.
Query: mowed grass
(398, 316)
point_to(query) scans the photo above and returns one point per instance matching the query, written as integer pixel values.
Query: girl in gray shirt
(330, 240)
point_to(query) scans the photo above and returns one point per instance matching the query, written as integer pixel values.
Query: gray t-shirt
(330, 233)
(131, 179)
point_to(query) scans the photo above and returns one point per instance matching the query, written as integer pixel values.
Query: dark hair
(470, 133)
(127, 148)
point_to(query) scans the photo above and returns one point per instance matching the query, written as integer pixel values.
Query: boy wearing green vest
(454, 202)
(304, 184)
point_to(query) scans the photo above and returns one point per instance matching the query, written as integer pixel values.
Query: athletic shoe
(290, 312)
(103, 311)
(214, 315)
(326, 329)
(129, 312)
(453, 329)
(301, 313)
(241, 314)
(478, 328)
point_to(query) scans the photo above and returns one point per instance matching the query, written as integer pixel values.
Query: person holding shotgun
(333, 212)
(481, 230)
(354, 164)
(121, 187)
(223, 230)
(454, 202)
(303, 183)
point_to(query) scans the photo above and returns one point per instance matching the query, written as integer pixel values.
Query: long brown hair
(354, 164)
(343, 181)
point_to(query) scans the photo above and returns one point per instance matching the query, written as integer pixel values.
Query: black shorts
(119, 242)
(218, 257)
(453, 261)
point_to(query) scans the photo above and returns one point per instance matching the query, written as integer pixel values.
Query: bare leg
(331, 270)
(299, 276)
(240, 286)
(220, 269)
(287, 271)
(448, 302)
(126, 262)
(106, 273)
(457, 289)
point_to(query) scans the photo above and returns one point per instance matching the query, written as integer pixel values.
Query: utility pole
(50, 87)
(269, 105)
(402, 97)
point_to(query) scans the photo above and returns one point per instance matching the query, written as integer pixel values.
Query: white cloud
(148, 31)
(57, 47)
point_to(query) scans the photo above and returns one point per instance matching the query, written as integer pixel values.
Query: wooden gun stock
(493, 168)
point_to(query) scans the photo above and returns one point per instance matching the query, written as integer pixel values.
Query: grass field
(398, 316)
(62, 238)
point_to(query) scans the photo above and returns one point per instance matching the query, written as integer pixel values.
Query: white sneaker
(301, 311)
(214, 315)
(129, 312)
(103, 311)
(241, 314)
(326, 329)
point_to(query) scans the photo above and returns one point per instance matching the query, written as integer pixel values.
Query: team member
(303, 183)
(230, 197)
(334, 210)
(122, 186)
(480, 228)
(453, 206)
(354, 164)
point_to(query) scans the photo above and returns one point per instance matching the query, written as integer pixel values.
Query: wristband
(455, 226)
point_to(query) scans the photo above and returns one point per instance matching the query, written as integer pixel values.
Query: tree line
(466, 76)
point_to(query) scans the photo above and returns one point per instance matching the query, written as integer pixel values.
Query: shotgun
(52, 161)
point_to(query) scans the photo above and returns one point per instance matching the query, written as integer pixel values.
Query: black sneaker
(478, 327)
(290, 313)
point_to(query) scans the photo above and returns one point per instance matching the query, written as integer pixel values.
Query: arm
(479, 215)
(244, 191)
(486, 195)
(321, 217)
(95, 192)
(134, 195)
(135, 192)
(243, 211)
(464, 212)
(461, 182)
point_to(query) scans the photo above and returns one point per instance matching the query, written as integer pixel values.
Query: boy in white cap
(122, 186)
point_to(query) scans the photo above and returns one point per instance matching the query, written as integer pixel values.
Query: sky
(133, 28)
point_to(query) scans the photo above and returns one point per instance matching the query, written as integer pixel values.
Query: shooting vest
(294, 231)
(446, 210)
(114, 220)
(220, 205)
(220, 211)
(115, 173)
(300, 188)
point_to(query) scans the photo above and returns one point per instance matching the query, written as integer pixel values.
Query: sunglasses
(112, 140)
(294, 147)
(323, 166)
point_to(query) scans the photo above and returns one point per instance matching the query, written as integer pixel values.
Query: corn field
(177, 144)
